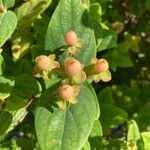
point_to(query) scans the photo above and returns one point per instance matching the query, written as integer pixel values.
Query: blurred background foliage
(122, 31)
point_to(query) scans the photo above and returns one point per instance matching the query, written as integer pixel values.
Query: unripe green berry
(71, 38)
(72, 66)
(66, 91)
(101, 65)
(43, 62)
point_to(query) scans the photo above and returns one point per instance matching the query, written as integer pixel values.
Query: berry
(71, 38)
(66, 91)
(72, 66)
(43, 62)
(101, 65)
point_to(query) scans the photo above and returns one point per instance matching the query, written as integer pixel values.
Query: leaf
(15, 102)
(97, 129)
(8, 23)
(21, 43)
(86, 146)
(147, 4)
(133, 132)
(28, 12)
(17, 117)
(72, 15)
(112, 116)
(96, 100)
(117, 59)
(5, 121)
(1, 64)
(24, 67)
(105, 38)
(144, 113)
(146, 139)
(96, 11)
(26, 86)
(64, 130)
(106, 95)
(7, 3)
(6, 86)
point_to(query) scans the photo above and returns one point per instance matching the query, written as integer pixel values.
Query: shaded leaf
(8, 23)
(5, 121)
(6, 86)
(105, 38)
(111, 115)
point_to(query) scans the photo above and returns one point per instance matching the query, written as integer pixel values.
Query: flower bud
(72, 66)
(71, 38)
(101, 65)
(66, 91)
(43, 62)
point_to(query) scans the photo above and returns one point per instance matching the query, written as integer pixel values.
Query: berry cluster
(72, 72)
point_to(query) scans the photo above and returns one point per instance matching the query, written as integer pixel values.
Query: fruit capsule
(101, 65)
(43, 62)
(66, 91)
(72, 66)
(71, 38)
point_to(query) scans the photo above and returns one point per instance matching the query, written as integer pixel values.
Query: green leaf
(21, 43)
(65, 130)
(26, 86)
(147, 4)
(144, 113)
(96, 100)
(105, 38)
(96, 11)
(117, 59)
(86, 146)
(17, 117)
(106, 95)
(97, 129)
(111, 116)
(8, 23)
(15, 102)
(6, 86)
(133, 132)
(28, 12)
(1, 64)
(146, 139)
(7, 3)
(5, 121)
(72, 15)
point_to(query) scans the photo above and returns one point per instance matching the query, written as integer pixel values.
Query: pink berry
(43, 62)
(72, 66)
(71, 38)
(66, 91)
(101, 65)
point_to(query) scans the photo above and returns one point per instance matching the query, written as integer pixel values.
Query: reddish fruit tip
(43, 62)
(66, 91)
(72, 66)
(71, 38)
(101, 65)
